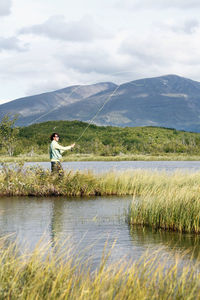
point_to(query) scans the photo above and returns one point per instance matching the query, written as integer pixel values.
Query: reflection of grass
(91, 157)
(56, 273)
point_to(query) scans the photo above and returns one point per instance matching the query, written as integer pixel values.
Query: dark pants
(56, 168)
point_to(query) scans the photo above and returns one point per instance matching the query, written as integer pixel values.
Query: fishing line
(108, 99)
(48, 112)
(93, 118)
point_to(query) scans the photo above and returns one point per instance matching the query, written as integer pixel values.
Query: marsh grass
(56, 273)
(169, 202)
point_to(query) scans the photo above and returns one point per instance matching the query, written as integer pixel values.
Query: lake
(104, 166)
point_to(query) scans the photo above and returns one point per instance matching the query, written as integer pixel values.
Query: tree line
(98, 140)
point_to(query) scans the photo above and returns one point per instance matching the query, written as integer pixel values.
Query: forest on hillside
(105, 140)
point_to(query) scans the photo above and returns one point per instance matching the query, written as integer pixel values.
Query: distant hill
(108, 140)
(168, 101)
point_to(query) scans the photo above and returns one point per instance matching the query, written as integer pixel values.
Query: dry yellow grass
(55, 273)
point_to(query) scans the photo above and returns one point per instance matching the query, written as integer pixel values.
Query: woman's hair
(53, 135)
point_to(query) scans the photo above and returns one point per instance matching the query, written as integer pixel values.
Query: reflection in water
(170, 240)
(87, 224)
(55, 226)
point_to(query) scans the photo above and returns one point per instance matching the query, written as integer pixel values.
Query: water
(91, 222)
(88, 224)
(104, 166)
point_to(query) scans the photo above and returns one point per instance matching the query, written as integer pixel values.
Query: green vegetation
(167, 202)
(8, 134)
(55, 272)
(107, 141)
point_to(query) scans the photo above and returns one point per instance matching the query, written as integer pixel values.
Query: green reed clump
(170, 203)
(54, 272)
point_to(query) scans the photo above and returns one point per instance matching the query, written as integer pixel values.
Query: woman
(56, 151)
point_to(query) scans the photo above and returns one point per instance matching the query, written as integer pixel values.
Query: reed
(56, 273)
(170, 202)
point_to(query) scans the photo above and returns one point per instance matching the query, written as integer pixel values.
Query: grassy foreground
(56, 273)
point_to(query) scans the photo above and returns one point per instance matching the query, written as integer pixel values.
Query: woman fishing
(56, 151)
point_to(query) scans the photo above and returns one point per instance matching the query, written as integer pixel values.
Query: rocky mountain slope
(168, 101)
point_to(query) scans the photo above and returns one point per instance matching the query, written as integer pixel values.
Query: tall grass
(16, 181)
(168, 202)
(55, 273)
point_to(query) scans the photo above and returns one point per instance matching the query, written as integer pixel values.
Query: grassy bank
(15, 180)
(90, 157)
(56, 273)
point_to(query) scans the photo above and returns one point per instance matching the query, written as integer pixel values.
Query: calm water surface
(86, 223)
(104, 166)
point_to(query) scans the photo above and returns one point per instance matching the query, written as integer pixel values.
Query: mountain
(43, 107)
(168, 101)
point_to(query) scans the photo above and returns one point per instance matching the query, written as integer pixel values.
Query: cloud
(5, 7)
(91, 61)
(158, 4)
(189, 27)
(12, 43)
(163, 50)
(45, 85)
(57, 28)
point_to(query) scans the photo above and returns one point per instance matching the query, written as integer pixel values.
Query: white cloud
(188, 26)
(88, 42)
(167, 51)
(56, 27)
(5, 7)
(159, 4)
(12, 44)
(96, 60)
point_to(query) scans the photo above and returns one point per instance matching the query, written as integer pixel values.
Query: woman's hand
(72, 145)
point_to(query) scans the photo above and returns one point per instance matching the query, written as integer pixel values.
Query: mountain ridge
(168, 101)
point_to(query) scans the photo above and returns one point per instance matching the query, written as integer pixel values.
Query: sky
(49, 45)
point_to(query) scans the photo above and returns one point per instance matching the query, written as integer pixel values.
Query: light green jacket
(56, 151)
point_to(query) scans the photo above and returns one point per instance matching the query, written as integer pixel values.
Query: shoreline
(85, 157)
